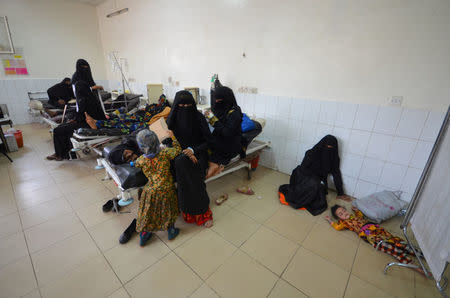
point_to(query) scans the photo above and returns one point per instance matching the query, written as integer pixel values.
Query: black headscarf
(62, 90)
(185, 122)
(322, 160)
(82, 73)
(221, 108)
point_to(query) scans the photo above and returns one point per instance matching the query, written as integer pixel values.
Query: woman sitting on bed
(227, 135)
(128, 123)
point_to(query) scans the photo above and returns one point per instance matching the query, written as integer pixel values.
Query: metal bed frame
(443, 282)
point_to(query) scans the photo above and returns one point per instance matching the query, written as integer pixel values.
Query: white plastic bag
(380, 206)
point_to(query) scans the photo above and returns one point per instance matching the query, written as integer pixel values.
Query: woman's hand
(345, 198)
(188, 152)
(97, 87)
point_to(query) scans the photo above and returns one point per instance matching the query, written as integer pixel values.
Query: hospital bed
(130, 179)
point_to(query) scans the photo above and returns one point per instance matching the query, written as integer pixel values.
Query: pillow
(380, 206)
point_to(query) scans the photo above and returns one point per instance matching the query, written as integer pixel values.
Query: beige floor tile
(93, 214)
(88, 196)
(241, 276)
(357, 288)
(205, 252)
(284, 290)
(107, 233)
(257, 209)
(12, 248)
(17, 278)
(78, 185)
(120, 293)
(33, 294)
(93, 278)
(130, 259)
(7, 202)
(44, 211)
(44, 182)
(52, 231)
(19, 175)
(170, 277)
(10, 224)
(27, 199)
(54, 261)
(369, 266)
(343, 251)
(235, 227)
(218, 211)
(315, 276)
(426, 288)
(204, 292)
(270, 249)
(291, 224)
(187, 231)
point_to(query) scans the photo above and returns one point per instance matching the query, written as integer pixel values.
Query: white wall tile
(308, 133)
(302, 148)
(287, 165)
(363, 189)
(345, 114)
(294, 129)
(379, 145)
(271, 105)
(358, 142)
(349, 185)
(432, 126)
(267, 158)
(260, 105)
(365, 117)
(421, 154)
(328, 110)
(411, 179)
(323, 130)
(283, 107)
(406, 197)
(291, 150)
(297, 109)
(401, 151)
(342, 135)
(312, 109)
(371, 170)
(387, 120)
(351, 165)
(411, 123)
(281, 126)
(392, 175)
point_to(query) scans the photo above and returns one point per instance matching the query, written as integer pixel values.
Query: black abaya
(191, 130)
(308, 183)
(59, 91)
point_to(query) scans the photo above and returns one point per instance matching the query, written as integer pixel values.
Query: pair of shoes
(172, 232)
(52, 157)
(108, 206)
(126, 235)
(144, 236)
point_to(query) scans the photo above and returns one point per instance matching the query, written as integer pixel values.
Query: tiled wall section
(381, 147)
(13, 92)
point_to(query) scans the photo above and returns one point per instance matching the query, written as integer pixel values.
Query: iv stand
(124, 80)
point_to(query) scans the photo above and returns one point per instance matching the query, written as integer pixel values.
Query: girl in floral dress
(158, 206)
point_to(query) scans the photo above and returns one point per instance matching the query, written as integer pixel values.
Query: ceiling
(91, 2)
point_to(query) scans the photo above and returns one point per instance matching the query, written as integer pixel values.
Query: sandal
(52, 157)
(221, 199)
(246, 190)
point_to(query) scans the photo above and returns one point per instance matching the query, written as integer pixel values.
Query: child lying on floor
(370, 232)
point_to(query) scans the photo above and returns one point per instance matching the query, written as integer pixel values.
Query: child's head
(340, 212)
(148, 142)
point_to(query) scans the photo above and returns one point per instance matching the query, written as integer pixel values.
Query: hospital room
(227, 148)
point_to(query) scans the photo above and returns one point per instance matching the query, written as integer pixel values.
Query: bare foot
(208, 224)
(90, 121)
(213, 167)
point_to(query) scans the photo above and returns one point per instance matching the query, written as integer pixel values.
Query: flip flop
(108, 206)
(221, 199)
(246, 190)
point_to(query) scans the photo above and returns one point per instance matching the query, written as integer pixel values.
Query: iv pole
(124, 80)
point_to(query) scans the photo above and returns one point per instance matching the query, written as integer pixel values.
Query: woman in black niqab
(83, 73)
(227, 133)
(308, 183)
(60, 94)
(191, 130)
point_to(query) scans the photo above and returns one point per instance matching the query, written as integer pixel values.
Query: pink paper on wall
(10, 71)
(22, 71)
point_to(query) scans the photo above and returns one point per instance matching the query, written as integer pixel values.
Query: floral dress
(158, 206)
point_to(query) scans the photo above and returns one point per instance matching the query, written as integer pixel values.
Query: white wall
(51, 35)
(346, 50)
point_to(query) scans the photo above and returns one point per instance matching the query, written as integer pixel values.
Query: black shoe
(126, 235)
(172, 232)
(108, 206)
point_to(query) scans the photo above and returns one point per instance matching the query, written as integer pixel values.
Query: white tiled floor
(56, 242)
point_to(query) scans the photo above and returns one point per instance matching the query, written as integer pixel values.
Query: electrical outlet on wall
(396, 100)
